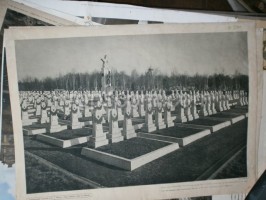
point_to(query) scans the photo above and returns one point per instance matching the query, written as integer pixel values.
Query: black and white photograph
(7, 151)
(114, 111)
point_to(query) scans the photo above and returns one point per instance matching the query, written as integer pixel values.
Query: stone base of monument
(76, 126)
(195, 116)
(29, 121)
(180, 119)
(57, 128)
(117, 137)
(180, 135)
(130, 134)
(148, 128)
(161, 125)
(213, 125)
(35, 129)
(67, 138)
(190, 118)
(130, 154)
(98, 141)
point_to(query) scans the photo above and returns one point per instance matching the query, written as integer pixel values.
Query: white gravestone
(149, 124)
(203, 111)
(193, 107)
(98, 138)
(44, 116)
(67, 108)
(167, 115)
(24, 114)
(115, 134)
(213, 103)
(54, 125)
(128, 129)
(180, 114)
(134, 107)
(158, 116)
(38, 107)
(188, 109)
(208, 104)
(218, 103)
(75, 124)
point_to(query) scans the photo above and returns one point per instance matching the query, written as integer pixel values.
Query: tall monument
(106, 75)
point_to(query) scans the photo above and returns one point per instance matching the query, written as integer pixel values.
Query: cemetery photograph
(131, 110)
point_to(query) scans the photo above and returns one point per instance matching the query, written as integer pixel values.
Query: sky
(202, 53)
(7, 182)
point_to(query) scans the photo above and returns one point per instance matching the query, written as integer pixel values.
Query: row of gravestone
(87, 96)
(185, 107)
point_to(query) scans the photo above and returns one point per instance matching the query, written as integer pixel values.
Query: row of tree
(152, 79)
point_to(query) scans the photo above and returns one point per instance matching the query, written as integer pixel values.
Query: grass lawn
(133, 147)
(236, 110)
(71, 134)
(225, 115)
(184, 164)
(235, 166)
(37, 126)
(178, 132)
(205, 122)
(40, 178)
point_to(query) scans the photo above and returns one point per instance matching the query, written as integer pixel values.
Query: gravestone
(115, 134)
(203, 111)
(134, 107)
(108, 108)
(74, 121)
(208, 104)
(149, 125)
(179, 110)
(38, 107)
(158, 116)
(24, 114)
(54, 126)
(213, 103)
(119, 109)
(218, 103)
(128, 129)
(188, 109)
(167, 115)
(193, 107)
(66, 108)
(98, 138)
(44, 115)
(87, 109)
(141, 105)
(223, 102)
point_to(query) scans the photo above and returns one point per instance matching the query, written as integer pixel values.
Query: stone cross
(54, 125)
(179, 110)
(128, 129)
(44, 116)
(149, 125)
(167, 114)
(38, 107)
(158, 116)
(115, 134)
(74, 120)
(98, 138)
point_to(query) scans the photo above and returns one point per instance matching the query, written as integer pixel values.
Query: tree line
(150, 80)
